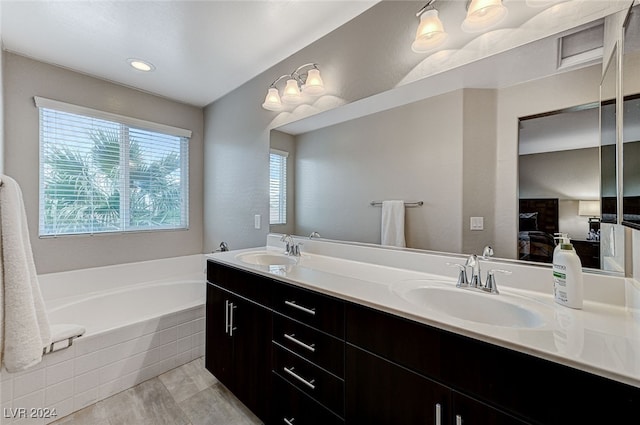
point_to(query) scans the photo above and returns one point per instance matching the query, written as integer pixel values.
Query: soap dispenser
(567, 275)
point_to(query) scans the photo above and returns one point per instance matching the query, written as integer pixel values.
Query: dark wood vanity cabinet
(308, 356)
(488, 384)
(294, 356)
(238, 348)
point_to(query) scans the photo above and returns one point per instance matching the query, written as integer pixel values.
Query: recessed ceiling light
(141, 65)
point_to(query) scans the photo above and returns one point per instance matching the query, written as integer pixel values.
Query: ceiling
(201, 50)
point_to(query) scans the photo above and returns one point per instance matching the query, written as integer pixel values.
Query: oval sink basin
(265, 258)
(475, 306)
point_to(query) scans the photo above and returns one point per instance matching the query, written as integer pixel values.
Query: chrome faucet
(291, 248)
(314, 235)
(475, 282)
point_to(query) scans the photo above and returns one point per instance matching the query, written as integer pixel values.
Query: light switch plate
(257, 221)
(477, 223)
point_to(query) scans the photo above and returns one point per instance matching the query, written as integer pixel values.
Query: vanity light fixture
(141, 65)
(430, 34)
(483, 14)
(305, 79)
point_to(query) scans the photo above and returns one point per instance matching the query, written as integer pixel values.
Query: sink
(266, 258)
(474, 306)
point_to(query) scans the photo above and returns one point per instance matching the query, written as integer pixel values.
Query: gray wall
(25, 78)
(411, 153)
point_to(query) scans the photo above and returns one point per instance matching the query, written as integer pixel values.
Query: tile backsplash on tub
(98, 366)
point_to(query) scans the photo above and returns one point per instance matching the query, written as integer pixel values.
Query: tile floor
(187, 395)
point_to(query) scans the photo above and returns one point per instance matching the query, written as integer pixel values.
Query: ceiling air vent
(581, 48)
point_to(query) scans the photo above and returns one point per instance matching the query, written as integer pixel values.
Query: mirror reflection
(442, 152)
(559, 187)
(631, 117)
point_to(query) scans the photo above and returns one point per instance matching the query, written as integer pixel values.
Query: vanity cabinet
(238, 344)
(488, 384)
(295, 356)
(308, 357)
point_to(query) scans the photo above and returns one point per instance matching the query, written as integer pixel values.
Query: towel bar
(51, 348)
(406, 204)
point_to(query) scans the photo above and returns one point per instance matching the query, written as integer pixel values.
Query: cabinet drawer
(316, 310)
(324, 387)
(293, 407)
(249, 285)
(317, 347)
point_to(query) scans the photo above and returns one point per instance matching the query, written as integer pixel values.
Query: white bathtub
(104, 311)
(141, 320)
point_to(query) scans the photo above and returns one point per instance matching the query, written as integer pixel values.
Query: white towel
(24, 325)
(392, 231)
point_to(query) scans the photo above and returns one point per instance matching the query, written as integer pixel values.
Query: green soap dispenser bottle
(568, 286)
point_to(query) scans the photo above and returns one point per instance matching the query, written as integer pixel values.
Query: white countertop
(603, 338)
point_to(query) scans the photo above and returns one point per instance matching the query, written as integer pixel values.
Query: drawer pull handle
(438, 414)
(300, 378)
(300, 343)
(289, 421)
(311, 311)
(458, 420)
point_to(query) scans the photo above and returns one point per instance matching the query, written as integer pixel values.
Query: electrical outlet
(477, 223)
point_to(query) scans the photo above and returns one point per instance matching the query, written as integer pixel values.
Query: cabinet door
(379, 392)
(467, 411)
(219, 344)
(251, 326)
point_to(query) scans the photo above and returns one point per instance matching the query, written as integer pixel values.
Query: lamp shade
(589, 208)
(272, 100)
(314, 84)
(484, 14)
(291, 94)
(430, 34)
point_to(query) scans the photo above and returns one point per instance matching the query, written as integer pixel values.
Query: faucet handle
(487, 252)
(491, 285)
(463, 282)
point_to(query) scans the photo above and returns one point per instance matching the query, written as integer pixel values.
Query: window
(278, 187)
(101, 172)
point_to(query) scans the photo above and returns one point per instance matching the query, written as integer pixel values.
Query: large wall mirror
(631, 120)
(441, 154)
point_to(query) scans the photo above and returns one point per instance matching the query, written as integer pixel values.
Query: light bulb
(314, 84)
(484, 14)
(430, 33)
(272, 100)
(291, 92)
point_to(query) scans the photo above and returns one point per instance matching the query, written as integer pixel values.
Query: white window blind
(101, 172)
(278, 187)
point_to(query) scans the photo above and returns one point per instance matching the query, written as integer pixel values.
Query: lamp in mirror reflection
(591, 209)
(483, 14)
(305, 80)
(430, 34)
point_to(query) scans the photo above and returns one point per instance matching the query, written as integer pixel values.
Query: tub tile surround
(100, 365)
(603, 338)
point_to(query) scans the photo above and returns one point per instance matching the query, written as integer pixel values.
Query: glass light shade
(314, 84)
(272, 100)
(484, 14)
(430, 34)
(589, 208)
(291, 92)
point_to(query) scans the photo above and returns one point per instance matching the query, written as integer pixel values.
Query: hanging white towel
(392, 231)
(24, 326)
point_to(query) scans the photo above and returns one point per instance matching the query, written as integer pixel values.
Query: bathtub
(141, 320)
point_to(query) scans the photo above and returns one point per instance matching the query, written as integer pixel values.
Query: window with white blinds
(278, 187)
(101, 172)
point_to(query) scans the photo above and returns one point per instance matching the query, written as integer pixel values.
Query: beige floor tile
(147, 403)
(216, 406)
